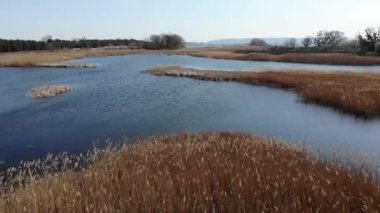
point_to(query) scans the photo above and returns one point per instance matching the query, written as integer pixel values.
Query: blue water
(116, 101)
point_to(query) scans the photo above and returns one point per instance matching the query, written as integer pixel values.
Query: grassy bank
(44, 58)
(357, 93)
(248, 53)
(202, 173)
(36, 58)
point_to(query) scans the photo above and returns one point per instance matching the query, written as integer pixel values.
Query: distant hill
(198, 44)
(240, 41)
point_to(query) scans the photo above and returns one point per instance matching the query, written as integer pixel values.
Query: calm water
(116, 101)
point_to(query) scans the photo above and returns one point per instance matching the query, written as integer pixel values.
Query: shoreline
(67, 65)
(355, 93)
(41, 58)
(223, 171)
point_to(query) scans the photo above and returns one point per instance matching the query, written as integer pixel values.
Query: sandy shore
(48, 91)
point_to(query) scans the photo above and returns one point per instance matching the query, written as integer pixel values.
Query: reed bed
(41, 58)
(326, 58)
(357, 93)
(36, 58)
(236, 53)
(48, 91)
(208, 172)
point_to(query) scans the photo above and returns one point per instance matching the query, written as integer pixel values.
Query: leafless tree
(329, 38)
(290, 43)
(257, 42)
(369, 40)
(307, 41)
(47, 38)
(167, 41)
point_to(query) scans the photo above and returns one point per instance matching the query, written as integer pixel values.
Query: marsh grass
(48, 91)
(320, 58)
(357, 93)
(208, 172)
(36, 58)
(259, 54)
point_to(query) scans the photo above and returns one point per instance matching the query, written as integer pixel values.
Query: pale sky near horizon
(195, 20)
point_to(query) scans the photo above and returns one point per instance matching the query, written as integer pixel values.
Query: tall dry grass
(222, 172)
(357, 93)
(48, 91)
(255, 54)
(326, 58)
(36, 58)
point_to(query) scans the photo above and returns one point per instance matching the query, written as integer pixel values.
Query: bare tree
(369, 40)
(307, 41)
(156, 40)
(290, 43)
(257, 42)
(329, 38)
(167, 41)
(47, 38)
(377, 48)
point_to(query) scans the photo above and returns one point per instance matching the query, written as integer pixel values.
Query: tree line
(163, 41)
(54, 44)
(330, 41)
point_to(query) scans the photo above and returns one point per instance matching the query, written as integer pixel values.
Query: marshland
(274, 107)
(357, 93)
(205, 172)
(149, 105)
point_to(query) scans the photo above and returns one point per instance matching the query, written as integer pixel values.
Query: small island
(48, 91)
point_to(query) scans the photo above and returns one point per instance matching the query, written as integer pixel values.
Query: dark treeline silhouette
(258, 42)
(370, 42)
(165, 41)
(326, 42)
(54, 44)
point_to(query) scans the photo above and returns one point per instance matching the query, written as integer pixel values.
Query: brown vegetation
(309, 58)
(48, 91)
(222, 172)
(357, 93)
(248, 53)
(37, 58)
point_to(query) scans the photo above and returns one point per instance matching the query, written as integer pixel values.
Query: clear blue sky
(196, 20)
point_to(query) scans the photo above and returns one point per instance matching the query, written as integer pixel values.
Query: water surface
(116, 101)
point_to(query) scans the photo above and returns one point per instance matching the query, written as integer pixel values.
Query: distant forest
(54, 44)
(156, 42)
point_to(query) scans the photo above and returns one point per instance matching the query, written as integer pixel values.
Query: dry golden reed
(224, 172)
(37, 58)
(48, 91)
(232, 52)
(357, 93)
